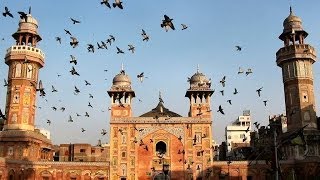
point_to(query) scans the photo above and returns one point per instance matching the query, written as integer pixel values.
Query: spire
(291, 10)
(122, 69)
(198, 68)
(30, 10)
(160, 98)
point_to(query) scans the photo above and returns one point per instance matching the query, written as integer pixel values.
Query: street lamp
(165, 169)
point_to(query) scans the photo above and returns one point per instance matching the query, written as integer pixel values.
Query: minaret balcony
(17, 50)
(295, 51)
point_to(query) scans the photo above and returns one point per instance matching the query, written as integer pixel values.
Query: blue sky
(167, 59)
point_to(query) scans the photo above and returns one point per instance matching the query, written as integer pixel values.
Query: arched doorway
(11, 174)
(161, 147)
(161, 176)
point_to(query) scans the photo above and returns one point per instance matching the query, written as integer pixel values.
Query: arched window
(29, 71)
(161, 147)
(18, 70)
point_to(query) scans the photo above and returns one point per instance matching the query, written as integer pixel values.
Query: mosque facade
(159, 144)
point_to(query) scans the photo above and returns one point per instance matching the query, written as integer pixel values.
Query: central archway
(161, 176)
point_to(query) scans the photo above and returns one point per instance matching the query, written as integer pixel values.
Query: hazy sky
(167, 59)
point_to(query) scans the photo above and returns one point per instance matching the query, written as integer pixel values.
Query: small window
(198, 153)
(229, 137)
(93, 151)
(82, 150)
(123, 154)
(81, 160)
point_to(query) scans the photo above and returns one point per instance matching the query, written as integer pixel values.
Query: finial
(122, 69)
(30, 10)
(160, 98)
(198, 68)
(291, 10)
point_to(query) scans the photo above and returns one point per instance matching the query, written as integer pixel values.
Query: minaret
(24, 61)
(296, 59)
(199, 94)
(19, 139)
(121, 95)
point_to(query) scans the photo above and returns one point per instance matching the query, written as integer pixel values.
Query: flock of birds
(166, 23)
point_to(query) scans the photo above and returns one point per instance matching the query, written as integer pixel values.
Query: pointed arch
(29, 70)
(18, 69)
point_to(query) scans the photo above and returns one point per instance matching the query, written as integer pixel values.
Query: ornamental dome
(121, 79)
(27, 26)
(30, 19)
(292, 23)
(198, 78)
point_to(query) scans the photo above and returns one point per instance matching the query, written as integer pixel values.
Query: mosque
(159, 144)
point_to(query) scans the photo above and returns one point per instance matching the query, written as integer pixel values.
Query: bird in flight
(240, 70)
(256, 124)
(184, 26)
(74, 72)
(90, 48)
(140, 76)
(103, 45)
(103, 132)
(74, 42)
(249, 71)
(247, 129)
(48, 121)
(74, 21)
(100, 46)
(90, 105)
(68, 32)
(145, 36)
(73, 60)
(87, 83)
(167, 23)
(5, 82)
(229, 101)
(222, 92)
(90, 95)
(239, 48)
(259, 91)
(117, 3)
(41, 89)
(119, 51)
(7, 12)
(53, 89)
(112, 38)
(106, 2)
(2, 116)
(76, 90)
(235, 91)
(131, 48)
(58, 39)
(83, 130)
(223, 81)
(23, 15)
(70, 119)
(87, 115)
(220, 110)
(265, 102)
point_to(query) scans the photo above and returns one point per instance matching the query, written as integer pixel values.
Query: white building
(238, 133)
